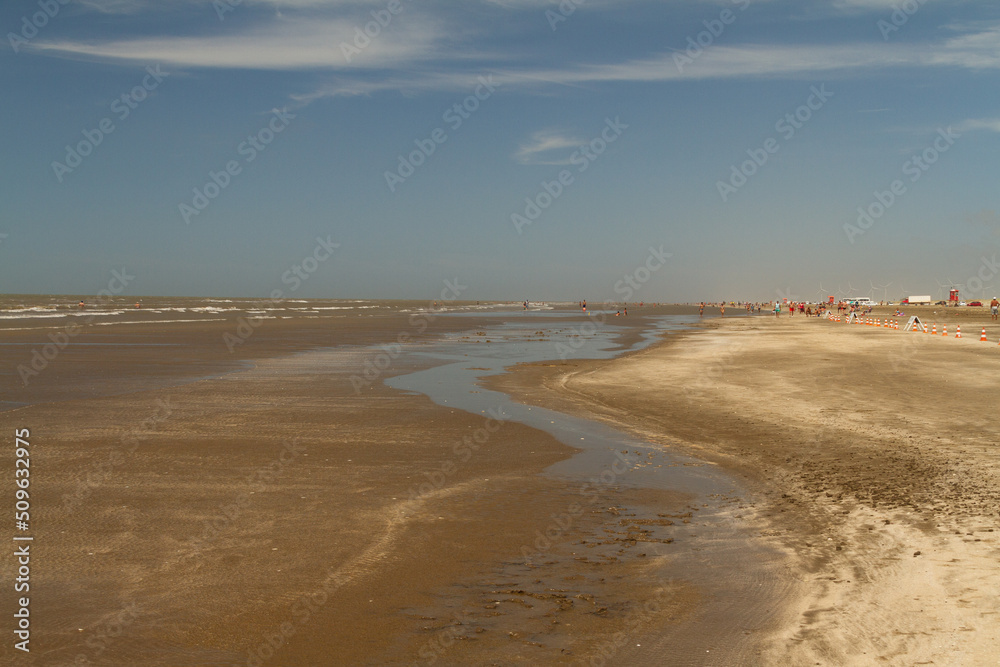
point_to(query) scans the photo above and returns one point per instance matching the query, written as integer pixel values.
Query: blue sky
(651, 132)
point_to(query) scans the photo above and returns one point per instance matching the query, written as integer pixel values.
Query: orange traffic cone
(944, 332)
(982, 337)
(934, 333)
(959, 334)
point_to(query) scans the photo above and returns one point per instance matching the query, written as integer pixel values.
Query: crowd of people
(777, 307)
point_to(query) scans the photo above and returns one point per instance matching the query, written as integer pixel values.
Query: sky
(638, 150)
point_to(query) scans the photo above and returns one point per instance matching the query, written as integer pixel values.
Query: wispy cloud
(546, 147)
(139, 6)
(720, 62)
(424, 53)
(975, 50)
(866, 5)
(989, 124)
(286, 44)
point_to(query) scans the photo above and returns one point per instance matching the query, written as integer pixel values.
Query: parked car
(976, 303)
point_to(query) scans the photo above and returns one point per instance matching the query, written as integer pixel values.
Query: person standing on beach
(701, 309)
(994, 305)
(722, 309)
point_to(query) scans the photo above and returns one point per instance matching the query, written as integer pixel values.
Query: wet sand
(873, 455)
(196, 506)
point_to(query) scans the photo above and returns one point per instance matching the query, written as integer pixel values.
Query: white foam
(202, 319)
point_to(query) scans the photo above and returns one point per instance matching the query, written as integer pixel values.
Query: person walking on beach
(994, 305)
(701, 309)
(722, 309)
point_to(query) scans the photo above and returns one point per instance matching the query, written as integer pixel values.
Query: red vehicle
(975, 303)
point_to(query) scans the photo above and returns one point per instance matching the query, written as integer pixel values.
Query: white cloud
(277, 45)
(976, 50)
(545, 147)
(137, 6)
(989, 124)
(873, 5)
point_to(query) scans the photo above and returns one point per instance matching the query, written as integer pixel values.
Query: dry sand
(874, 455)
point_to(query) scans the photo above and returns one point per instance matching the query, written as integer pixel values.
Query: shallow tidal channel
(715, 550)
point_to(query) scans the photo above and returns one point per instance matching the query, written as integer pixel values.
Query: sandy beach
(196, 506)
(873, 454)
